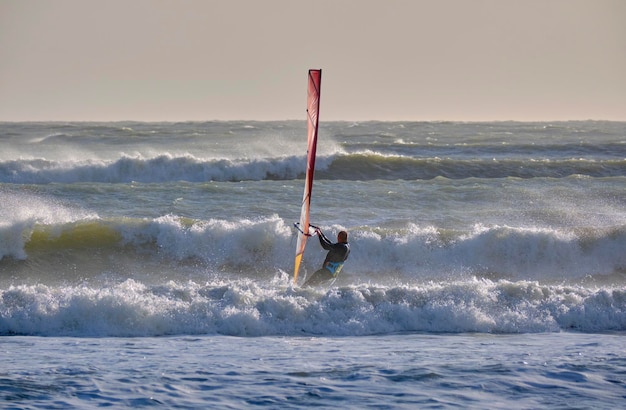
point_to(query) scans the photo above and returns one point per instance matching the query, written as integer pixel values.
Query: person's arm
(324, 241)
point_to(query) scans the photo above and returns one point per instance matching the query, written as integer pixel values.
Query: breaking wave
(247, 308)
(355, 166)
(263, 246)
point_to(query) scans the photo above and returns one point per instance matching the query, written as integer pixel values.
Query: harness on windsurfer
(335, 258)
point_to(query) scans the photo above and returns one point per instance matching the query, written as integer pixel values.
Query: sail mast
(313, 107)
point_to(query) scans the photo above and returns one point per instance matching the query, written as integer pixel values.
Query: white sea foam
(249, 308)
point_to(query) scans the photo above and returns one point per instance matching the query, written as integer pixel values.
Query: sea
(149, 264)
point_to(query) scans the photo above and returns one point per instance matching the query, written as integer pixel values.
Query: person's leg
(319, 276)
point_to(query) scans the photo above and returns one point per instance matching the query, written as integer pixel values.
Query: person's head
(342, 236)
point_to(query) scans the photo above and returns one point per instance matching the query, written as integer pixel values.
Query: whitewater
(150, 264)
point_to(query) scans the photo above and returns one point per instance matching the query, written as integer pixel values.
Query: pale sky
(423, 60)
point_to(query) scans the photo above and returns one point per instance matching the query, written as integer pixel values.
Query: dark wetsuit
(336, 256)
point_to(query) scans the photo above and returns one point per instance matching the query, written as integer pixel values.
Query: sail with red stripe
(313, 109)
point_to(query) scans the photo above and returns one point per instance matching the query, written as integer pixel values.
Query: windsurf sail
(312, 112)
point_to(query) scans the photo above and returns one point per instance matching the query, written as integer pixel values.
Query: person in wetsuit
(336, 256)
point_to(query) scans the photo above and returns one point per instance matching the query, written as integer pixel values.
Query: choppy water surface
(150, 263)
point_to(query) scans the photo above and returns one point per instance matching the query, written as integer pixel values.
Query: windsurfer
(336, 256)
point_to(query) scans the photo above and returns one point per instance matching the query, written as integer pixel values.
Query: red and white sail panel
(313, 108)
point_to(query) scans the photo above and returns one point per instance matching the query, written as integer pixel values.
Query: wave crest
(356, 166)
(259, 247)
(246, 308)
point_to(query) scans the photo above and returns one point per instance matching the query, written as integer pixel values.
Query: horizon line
(304, 120)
